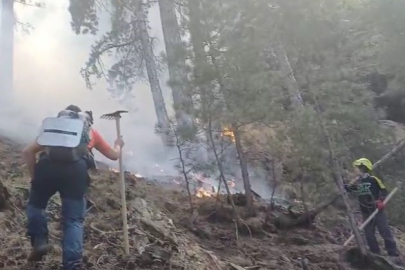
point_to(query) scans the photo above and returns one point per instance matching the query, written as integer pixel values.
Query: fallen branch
(18, 209)
(93, 227)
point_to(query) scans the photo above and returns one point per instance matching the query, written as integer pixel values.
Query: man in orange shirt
(71, 180)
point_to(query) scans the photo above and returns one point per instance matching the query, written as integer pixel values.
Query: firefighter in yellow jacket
(371, 193)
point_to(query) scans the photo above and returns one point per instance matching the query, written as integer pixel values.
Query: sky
(47, 63)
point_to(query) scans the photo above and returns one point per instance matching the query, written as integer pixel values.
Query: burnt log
(293, 220)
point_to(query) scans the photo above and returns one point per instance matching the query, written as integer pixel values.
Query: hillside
(163, 233)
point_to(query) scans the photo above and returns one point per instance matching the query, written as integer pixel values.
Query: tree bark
(339, 182)
(7, 47)
(200, 61)
(244, 170)
(147, 49)
(175, 62)
(291, 82)
(200, 56)
(337, 176)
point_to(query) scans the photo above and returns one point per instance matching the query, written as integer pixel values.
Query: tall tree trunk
(244, 170)
(291, 82)
(175, 61)
(7, 47)
(200, 56)
(337, 176)
(200, 61)
(339, 182)
(160, 107)
(196, 36)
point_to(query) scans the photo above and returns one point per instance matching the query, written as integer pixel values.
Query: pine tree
(149, 58)
(175, 62)
(130, 39)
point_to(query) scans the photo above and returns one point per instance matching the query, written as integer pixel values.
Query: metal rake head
(113, 116)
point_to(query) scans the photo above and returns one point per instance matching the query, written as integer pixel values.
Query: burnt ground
(164, 234)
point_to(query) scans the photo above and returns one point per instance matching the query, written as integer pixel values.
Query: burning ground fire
(227, 132)
(201, 193)
(204, 185)
(137, 175)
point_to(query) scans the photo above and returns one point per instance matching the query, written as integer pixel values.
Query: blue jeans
(381, 223)
(71, 181)
(73, 212)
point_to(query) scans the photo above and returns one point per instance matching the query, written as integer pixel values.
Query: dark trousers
(71, 181)
(381, 223)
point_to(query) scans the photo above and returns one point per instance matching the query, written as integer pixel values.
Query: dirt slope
(163, 233)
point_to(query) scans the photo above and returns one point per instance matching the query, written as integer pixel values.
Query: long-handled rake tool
(117, 116)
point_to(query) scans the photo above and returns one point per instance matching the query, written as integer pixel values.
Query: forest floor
(163, 233)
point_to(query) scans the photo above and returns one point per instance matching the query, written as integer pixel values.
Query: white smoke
(47, 78)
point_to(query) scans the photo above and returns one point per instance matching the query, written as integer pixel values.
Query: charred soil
(164, 232)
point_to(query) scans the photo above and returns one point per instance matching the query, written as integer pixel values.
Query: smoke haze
(47, 64)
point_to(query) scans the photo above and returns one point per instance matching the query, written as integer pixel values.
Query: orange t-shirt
(98, 142)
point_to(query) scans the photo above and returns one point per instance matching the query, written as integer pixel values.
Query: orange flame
(201, 193)
(227, 132)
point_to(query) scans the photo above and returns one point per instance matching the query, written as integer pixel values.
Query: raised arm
(30, 156)
(104, 148)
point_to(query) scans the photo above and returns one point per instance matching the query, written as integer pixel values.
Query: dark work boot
(39, 250)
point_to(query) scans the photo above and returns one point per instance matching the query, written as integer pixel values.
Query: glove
(380, 205)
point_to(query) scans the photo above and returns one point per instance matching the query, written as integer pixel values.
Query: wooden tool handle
(123, 199)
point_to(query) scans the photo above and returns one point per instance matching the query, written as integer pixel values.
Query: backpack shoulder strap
(379, 182)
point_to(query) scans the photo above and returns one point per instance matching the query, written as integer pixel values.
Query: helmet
(365, 162)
